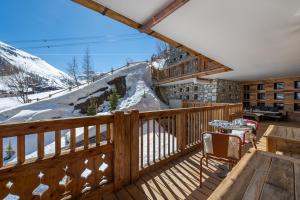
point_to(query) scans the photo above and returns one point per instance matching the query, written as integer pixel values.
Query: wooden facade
(111, 160)
(281, 92)
(186, 69)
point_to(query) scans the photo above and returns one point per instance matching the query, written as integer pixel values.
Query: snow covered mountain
(12, 58)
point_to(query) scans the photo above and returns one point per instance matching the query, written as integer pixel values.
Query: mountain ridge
(13, 58)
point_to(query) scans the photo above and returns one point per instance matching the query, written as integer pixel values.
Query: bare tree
(19, 83)
(87, 66)
(162, 49)
(73, 71)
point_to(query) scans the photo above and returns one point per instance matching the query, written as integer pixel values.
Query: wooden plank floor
(180, 179)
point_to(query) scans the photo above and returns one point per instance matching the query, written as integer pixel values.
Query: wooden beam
(165, 12)
(93, 5)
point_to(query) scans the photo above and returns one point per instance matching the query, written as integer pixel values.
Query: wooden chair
(219, 149)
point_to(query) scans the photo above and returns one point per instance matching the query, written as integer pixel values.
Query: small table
(225, 125)
(281, 138)
(261, 175)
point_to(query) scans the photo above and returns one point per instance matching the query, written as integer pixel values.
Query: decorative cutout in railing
(72, 171)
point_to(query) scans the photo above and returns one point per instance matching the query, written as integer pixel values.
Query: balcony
(187, 69)
(142, 149)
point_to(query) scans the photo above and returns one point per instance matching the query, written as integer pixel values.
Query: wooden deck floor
(180, 179)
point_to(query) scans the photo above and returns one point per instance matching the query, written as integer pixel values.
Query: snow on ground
(159, 63)
(8, 102)
(154, 137)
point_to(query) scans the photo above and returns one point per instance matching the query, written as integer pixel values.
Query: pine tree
(9, 151)
(113, 100)
(92, 108)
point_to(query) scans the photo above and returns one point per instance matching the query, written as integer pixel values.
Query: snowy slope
(17, 58)
(139, 96)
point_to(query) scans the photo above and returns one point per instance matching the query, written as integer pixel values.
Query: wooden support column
(1, 151)
(181, 130)
(121, 150)
(134, 149)
(226, 113)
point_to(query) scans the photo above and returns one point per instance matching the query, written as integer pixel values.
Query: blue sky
(111, 43)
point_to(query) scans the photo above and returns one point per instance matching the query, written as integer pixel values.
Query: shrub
(113, 100)
(92, 108)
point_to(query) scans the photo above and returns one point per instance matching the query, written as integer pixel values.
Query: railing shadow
(179, 179)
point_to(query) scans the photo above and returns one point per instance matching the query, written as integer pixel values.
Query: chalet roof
(257, 39)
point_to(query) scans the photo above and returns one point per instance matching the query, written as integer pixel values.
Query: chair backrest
(253, 122)
(221, 145)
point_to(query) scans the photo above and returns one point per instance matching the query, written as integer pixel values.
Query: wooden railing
(185, 69)
(234, 109)
(103, 154)
(72, 170)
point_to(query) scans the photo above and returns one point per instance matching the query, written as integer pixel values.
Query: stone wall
(222, 91)
(228, 91)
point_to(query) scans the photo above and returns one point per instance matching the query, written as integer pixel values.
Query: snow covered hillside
(11, 57)
(139, 95)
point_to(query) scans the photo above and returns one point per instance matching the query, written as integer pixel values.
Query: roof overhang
(257, 39)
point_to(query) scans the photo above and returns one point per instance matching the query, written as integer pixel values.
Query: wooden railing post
(121, 150)
(226, 113)
(134, 145)
(181, 130)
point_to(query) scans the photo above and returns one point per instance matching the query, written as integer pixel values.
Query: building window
(278, 85)
(195, 96)
(279, 96)
(297, 84)
(180, 97)
(297, 95)
(246, 87)
(180, 90)
(260, 86)
(247, 96)
(261, 96)
(187, 97)
(297, 107)
(246, 105)
(280, 106)
(187, 89)
(196, 88)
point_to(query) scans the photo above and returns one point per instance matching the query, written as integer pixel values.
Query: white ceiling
(256, 38)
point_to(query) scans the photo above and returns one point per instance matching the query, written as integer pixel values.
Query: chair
(222, 147)
(242, 134)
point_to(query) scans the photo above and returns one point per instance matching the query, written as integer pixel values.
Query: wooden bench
(261, 175)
